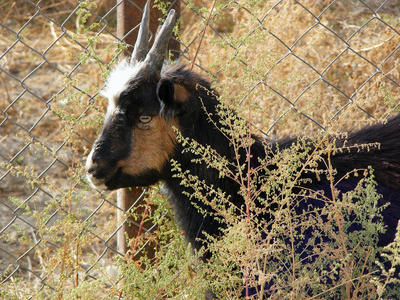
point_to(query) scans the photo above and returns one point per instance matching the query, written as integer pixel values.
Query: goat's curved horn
(155, 57)
(142, 40)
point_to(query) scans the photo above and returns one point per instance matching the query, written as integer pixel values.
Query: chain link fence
(325, 62)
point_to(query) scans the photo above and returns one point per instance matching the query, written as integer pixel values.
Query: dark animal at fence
(148, 98)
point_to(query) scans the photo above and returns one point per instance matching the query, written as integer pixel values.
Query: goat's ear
(165, 92)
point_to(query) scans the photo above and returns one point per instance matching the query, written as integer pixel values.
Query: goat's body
(375, 146)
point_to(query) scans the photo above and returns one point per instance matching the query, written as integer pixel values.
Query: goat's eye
(144, 119)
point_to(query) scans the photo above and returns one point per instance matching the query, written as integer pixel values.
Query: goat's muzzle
(98, 170)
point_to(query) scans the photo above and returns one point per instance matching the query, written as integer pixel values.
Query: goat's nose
(91, 167)
(96, 163)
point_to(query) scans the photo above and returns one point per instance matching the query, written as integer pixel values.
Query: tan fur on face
(180, 93)
(153, 144)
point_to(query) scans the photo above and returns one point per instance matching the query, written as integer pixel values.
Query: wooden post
(129, 16)
(125, 199)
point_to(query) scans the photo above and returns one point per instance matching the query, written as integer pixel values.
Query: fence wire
(326, 58)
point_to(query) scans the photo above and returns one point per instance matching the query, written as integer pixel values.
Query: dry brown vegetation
(344, 48)
(300, 76)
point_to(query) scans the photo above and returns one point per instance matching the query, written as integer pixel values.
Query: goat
(151, 101)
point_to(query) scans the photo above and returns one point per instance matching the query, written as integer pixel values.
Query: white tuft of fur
(118, 81)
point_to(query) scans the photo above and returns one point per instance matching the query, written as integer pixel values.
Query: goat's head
(138, 139)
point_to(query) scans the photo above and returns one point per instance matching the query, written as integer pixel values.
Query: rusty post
(129, 16)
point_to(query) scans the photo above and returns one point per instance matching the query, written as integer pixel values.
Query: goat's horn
(155, 57)
(142, 40)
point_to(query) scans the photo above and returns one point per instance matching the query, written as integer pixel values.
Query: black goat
(149, 98)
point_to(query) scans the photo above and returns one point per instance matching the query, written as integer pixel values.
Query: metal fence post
(129, 16)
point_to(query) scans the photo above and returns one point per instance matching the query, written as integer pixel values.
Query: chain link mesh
(327, 57)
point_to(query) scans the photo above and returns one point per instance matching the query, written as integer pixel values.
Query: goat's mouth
(102, 182)
(111, 182)
(96, 183)
(101, 172)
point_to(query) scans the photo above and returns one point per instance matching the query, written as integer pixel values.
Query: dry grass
(44, 88)
(316, 49)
